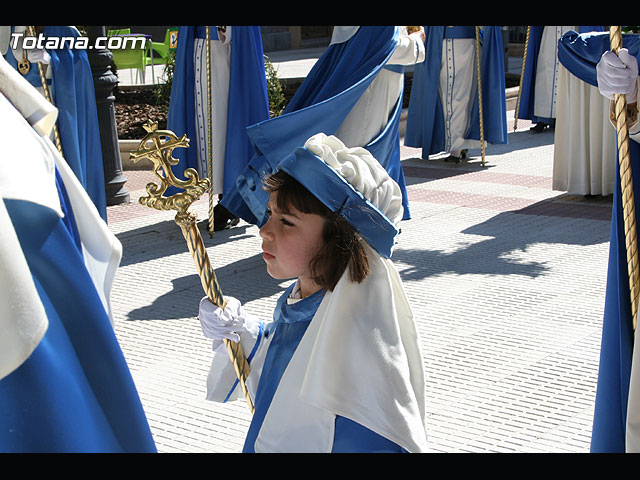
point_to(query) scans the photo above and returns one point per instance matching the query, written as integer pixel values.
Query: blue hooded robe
(323, 101)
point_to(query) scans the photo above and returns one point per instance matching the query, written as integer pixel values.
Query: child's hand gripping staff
(157, 146)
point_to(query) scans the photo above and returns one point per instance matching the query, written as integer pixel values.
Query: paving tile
(506, 278)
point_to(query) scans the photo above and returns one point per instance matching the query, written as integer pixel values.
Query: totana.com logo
(54, 43)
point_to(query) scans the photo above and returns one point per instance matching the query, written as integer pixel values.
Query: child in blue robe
(339, 368)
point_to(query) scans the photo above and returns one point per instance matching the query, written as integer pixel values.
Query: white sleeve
(409, 51)
(221, 380)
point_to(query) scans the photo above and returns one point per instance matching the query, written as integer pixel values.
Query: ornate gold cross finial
(157, 146)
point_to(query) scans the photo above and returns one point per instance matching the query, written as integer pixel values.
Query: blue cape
(320, 105)
(74, 97)
(528, 80)
(75, 392)
(580, 54)
(425, 127)
(248, 99)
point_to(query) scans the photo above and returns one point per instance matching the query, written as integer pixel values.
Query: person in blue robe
(430, 117)
(332, 88)
(528, 81)
(71, 390)
(580, 54)
(239, 64)
(72, 90)
(339, 368)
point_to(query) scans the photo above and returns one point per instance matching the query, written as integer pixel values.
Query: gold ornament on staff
(626, 183)
(480, 114)
(524, 63)
(157, 146)
(209, 140)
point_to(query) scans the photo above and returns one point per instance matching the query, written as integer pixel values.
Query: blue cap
(334, 191)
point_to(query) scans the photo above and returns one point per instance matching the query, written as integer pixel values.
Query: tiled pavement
(506, 278)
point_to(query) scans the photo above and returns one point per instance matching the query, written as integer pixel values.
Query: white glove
(618, 74)
(38, 55)
(218, 324)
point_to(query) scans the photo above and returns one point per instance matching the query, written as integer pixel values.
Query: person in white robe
(547, 74)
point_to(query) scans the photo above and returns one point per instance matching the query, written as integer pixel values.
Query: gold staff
(626, 182)
(157, 146)
(209, 142)
(524, 63)
(479, 93)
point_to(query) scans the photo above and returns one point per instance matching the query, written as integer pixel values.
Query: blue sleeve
(351, 437)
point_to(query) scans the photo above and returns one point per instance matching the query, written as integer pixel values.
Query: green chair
(126, 58)
(122, 31)
(162, 49)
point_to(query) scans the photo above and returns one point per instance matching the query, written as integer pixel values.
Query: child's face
(289, 241)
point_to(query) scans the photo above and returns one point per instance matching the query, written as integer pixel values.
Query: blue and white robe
(322, 103)
(64, 383)
(239, 99)
(337, 371)
(443, 107)
(538, 89)
(70, 82)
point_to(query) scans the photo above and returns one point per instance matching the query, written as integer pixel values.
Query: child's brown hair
(342, 245)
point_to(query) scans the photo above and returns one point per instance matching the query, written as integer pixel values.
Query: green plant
(163, 90)
(277, 100)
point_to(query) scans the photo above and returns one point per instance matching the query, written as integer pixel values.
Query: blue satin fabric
(290, 324)
(425, 124)
(248, 100)
(460, 31)
(78, 116)
(73, 94)
(320, 105)
(528, 81)
(75, 392)
(580, 53)
(335, 192)
(612, 395)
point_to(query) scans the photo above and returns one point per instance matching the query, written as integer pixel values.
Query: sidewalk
(506, 278)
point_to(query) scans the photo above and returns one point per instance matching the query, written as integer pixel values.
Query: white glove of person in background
(218, 324)
(618, 74)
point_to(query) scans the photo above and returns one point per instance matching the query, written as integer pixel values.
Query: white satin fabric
(584, 157)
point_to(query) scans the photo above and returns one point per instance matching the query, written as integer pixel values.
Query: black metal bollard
(104, 82)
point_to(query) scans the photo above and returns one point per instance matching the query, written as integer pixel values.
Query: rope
(626, 182)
